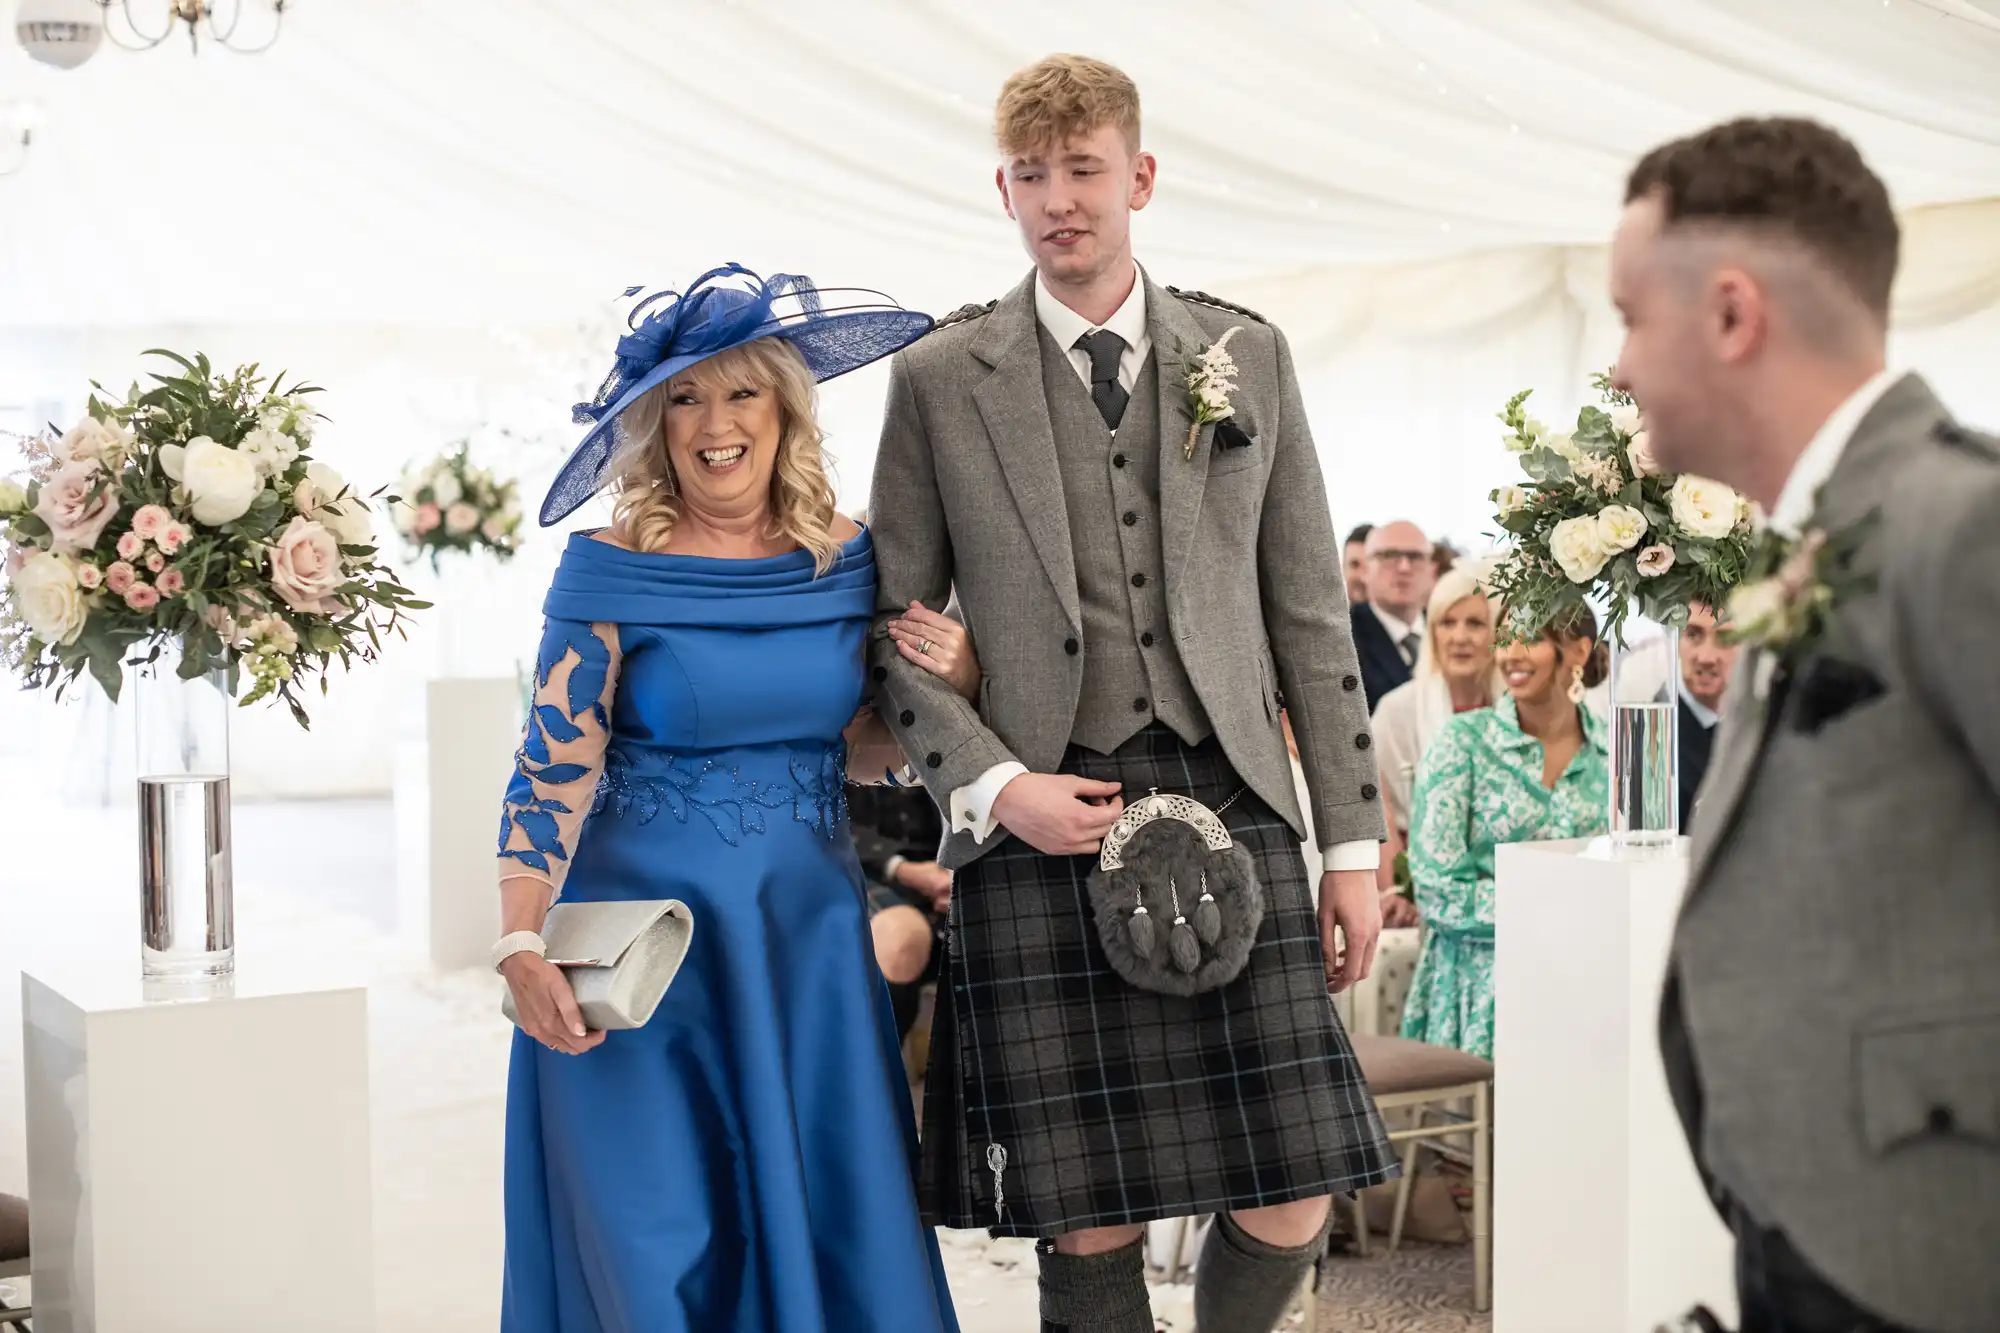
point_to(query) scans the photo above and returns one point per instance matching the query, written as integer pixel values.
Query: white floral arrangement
(448, 505)
(191, 513)
(1597, 519)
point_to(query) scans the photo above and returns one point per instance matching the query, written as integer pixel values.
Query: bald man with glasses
(1389, 626)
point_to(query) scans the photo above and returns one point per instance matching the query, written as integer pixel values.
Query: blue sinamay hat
(724, 308)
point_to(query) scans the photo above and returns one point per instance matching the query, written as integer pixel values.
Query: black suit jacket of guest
(1382, 664)
(1696, 741)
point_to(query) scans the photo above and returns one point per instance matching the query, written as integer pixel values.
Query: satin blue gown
(744, 1162)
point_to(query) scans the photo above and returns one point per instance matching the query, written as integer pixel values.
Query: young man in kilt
(1142, 585)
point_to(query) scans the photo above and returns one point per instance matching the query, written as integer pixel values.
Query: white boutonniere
(1794, 589)
(1210, 376)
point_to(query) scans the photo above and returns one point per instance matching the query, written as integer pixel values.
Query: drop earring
(1576, 687)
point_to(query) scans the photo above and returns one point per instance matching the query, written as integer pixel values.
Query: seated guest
(1454, 674)
(1388, 626)
(1706, 663)
(896, 835)
(1530, 768)
(1443, 556)
(1354, 563)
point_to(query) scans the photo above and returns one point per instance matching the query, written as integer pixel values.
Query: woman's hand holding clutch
(547, 1005)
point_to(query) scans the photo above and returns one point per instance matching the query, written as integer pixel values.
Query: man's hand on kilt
(1058, 814)
(1349, 900)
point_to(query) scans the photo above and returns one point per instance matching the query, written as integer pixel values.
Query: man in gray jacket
(1142, 580)
(1831, 1022)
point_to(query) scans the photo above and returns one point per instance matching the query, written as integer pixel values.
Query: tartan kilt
(1116, 1105)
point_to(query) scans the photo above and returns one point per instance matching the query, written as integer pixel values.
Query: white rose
(273, 450)
(446, 490)
(94, 441)
(221, 482)
(1706, 509)
(1757, 609)
(1619, 528)
(346, 518)
(461, 519)
(1563, 444)
(1578, 548)
(1510, 500)
(1640, 452)
(13, 500)
(1625, 420)
(48, 597)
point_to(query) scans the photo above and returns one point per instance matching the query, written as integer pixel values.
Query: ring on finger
(924, 647)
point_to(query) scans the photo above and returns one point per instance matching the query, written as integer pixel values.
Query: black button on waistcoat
(1349, 683)
(934, 759)
(1118, 460)
(1363, 741)
(1138, 705)
(1368, 792)
(909, 718)
(880, 674)
(1146, 639)
(1138, 580)
(1130, 518)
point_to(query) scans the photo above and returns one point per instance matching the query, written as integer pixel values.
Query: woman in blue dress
(741, 1163)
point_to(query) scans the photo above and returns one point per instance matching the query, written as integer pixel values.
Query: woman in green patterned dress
(1531, 768)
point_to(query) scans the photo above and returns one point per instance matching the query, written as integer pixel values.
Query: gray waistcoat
(1132, 673)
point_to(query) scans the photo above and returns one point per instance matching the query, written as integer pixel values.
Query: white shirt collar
(1128, 322)
(1398, 630)
(1702, 712)
(1794, 508)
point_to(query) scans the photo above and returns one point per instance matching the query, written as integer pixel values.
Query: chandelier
(199, 17)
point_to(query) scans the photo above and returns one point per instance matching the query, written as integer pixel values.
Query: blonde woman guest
(1455, 673)
(696, 719)
(1532, 767)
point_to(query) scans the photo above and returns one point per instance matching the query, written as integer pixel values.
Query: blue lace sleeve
(562, 749)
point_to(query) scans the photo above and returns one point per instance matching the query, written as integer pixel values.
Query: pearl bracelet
(521, 941)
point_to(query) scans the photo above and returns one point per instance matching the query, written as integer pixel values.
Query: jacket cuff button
(1368, 792)
(934, 759)
(1349, 683)
(909, 719)
(880, 674)
(1361, 742)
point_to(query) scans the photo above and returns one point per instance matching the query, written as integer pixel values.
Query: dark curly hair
(1788, 176)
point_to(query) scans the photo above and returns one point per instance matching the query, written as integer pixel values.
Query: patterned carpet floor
(1419, 1289)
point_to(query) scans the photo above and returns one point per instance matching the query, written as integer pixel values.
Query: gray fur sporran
(1177, 902)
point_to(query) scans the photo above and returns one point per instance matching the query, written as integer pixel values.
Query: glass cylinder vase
(1645, 738)
(187, 903)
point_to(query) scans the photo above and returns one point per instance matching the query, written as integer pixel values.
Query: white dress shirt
(1399, 632)
(1700, 711)
(1801, 491)
(972, 804)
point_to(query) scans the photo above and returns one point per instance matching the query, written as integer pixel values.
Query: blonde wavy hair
(646, 499)
(1063, 97)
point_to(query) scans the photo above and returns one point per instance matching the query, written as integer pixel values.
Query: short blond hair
(646, 494)
(1060, 98)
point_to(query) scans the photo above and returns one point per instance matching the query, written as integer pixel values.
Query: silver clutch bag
(620, 957)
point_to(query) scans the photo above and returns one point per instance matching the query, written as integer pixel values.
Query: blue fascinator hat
(724, 308)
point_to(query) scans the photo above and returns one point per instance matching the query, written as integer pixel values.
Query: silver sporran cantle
(1176, 900)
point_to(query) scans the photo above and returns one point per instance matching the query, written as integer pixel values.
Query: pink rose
(89, 577)
(171, 583)
(428, 517)
(156, 562)
(75, 516)
(142, 597)
(150, 522)
(305, 567)
(172, 537)
(130, 545)
(17, 560)
(120, 577)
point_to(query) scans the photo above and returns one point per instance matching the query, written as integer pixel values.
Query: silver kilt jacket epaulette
(1203, 298)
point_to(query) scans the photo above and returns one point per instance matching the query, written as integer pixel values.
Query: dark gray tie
(1412, 644)
(1106, 349)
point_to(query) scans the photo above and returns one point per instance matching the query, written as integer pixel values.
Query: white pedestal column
(448, 794)
(197, 1166)
(1600, 1222)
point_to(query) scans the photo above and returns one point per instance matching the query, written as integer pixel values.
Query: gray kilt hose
(1061, 1097)
(1138, 609)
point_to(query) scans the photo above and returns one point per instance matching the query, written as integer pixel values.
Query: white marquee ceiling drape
(426, 205)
